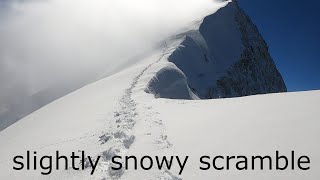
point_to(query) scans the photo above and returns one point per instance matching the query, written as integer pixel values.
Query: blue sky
(292, 30)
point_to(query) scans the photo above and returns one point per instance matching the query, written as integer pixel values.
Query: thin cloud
(53, 43)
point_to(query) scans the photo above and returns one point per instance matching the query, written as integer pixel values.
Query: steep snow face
(227, 57)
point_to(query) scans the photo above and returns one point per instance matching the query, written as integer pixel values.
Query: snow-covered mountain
(224, 57)
(121, 114)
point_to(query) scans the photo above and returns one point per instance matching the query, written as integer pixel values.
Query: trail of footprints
(121, 138)
(157, 127)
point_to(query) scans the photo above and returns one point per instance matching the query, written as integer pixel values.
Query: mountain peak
(226, 57)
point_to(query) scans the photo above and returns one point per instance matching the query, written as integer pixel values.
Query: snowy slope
(149, 126)
(116, 116)
(72, 123)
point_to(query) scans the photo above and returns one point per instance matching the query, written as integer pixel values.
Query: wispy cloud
(44, 43)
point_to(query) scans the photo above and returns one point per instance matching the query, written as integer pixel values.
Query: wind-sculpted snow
(224, 57)
(170, 82)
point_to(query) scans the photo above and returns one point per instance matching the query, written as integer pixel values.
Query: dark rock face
(255, 72)
(227, 57)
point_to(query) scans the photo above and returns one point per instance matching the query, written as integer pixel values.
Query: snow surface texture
(115, 116)
(225, 57)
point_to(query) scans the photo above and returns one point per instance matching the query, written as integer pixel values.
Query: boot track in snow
(120, 139)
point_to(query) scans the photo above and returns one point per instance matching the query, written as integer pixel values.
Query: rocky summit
(224, 57)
